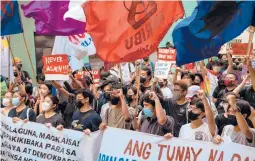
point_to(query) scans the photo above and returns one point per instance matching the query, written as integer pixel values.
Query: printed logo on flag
(137, 8)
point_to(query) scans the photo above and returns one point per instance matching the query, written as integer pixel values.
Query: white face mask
(46, 106)
(6, 102)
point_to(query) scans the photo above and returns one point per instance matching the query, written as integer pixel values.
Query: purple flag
(49, 18)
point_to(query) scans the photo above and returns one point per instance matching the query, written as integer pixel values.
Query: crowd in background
(212, 102)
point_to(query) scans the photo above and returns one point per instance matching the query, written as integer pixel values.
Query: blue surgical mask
(147, 112)
(15, 101)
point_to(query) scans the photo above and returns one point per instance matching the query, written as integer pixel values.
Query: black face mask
(232, 120)
(107, 96)
(79, 104)
(142, 79)
(129, 99)
(193, 116)
(114, 100)
(15, 74)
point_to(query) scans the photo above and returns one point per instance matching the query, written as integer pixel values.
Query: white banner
(6, 59)
(35, 142)
(135, 146)
(162, 69)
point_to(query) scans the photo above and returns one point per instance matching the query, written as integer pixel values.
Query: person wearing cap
(24, 74)
(197, 129)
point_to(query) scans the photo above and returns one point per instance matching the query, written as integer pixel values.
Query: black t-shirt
(86, 120)
(178, 112)
(23, 114)
(69, 111)
(55, 120)
(248, 94)
(221, 121)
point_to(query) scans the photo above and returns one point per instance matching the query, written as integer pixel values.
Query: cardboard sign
(240, 49)
(165, 54)
(95, 74)
(162, 69)
(55, 67)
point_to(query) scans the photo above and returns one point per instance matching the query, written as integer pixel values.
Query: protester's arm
(238, 88)
(244, 127)
(208, 112)
(202, 67)
(251, 72)
(176, 74)
(77, 83)
(160, 113)
(136, 125)
(61, 89)
(230, 63)
(124, 106)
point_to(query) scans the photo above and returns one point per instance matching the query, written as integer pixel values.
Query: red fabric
(125, 31)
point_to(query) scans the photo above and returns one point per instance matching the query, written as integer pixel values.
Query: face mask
(177, 96)
(79, 104)
(228, 83)
(46, 106)
(232, 120)
(129, 99)
(217, 69)
(6, 102)
(15, 101)
(147, 112)
(114, 100)
(142, 79)
(107, 96)
(161, 85)
(15, 74)
(192, 116)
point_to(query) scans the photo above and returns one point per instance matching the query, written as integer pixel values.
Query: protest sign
(56, 67)
(95, 74)
(135, 146)
(239, 49)
(162, 69)
(6, 60)
(32, 141)
(165, 54)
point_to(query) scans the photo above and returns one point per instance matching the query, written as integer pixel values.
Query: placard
(165, 54)
(240, 49)
(95, 74)
(35, 142)
(162, 70)
(56, 67)
(134, 146)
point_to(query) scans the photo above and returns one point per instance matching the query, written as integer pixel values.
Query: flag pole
(121, 79)
(251, 30)
(9, 59)
(138, 73)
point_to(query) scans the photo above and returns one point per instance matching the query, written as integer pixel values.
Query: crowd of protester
(214, 102)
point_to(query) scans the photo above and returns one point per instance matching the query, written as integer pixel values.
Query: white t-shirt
(103, 111)
(228, 134)
(127, 69)
(167, 93)
(201, 133)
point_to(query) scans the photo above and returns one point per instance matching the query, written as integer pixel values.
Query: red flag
(125, 31)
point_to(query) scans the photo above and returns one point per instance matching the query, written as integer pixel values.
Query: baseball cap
(192, 91)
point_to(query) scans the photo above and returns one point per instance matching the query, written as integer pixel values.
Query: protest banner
(240, 49)
(165, 54)
(135, 146)
(55, 67)
(162, 69)
(32, 141)
(95, 74)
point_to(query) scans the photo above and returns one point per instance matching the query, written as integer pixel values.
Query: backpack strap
(28, 110)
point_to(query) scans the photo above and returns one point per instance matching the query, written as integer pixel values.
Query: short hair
(40, 77)
(236, 77)
(49, 85)
(146, 98)
(244, 107)
(29, 88)
(148, 70)
(182, 84)
(231, 93)
(86, 94)
(134, 89)
(190, 75)
(54, 99)
(198, 103)
(200, 76)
